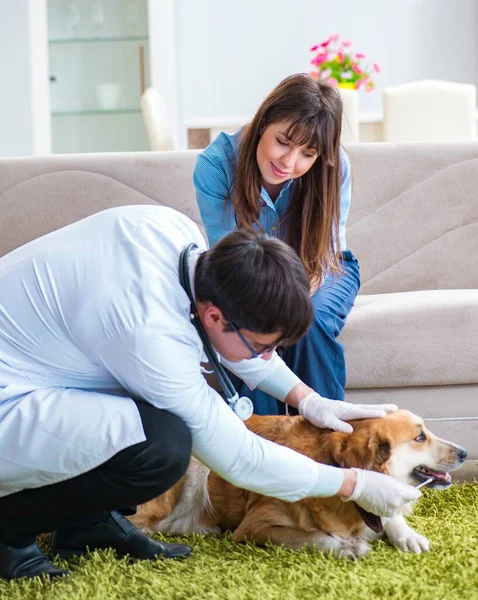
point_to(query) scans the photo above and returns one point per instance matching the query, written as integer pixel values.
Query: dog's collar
(371, 520)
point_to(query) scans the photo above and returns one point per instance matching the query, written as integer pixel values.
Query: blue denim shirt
(214, 177)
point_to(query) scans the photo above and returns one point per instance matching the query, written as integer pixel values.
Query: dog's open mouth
(441, 479)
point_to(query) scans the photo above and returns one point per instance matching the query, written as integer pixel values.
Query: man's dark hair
(258, 283)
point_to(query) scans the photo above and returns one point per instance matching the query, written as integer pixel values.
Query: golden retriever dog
(399, 445)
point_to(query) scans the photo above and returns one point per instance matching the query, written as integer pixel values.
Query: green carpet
(221, 570)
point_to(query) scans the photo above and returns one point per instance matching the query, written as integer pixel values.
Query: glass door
(99, 66)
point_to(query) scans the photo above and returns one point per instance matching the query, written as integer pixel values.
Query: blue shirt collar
(267, 199)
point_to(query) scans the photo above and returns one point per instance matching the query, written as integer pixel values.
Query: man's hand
(331, 414)
(380, 494)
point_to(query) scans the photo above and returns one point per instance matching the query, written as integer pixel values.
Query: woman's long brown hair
(314, 112)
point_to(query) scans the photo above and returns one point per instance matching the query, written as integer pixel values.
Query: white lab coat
(94, 314)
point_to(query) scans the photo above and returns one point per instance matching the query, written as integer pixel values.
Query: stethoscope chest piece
(242, 406)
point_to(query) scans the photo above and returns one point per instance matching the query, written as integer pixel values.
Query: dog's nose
(462, 453)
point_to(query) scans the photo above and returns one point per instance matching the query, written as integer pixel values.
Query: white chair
(156, 120)
(350, 117)
(429, 111)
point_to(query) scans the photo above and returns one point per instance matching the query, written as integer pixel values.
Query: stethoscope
(241, 405)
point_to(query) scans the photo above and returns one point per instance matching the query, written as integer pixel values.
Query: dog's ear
(360, 449)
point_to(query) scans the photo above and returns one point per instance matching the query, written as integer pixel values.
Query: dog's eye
(421, 438)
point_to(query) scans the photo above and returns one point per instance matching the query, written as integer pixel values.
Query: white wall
(24, 101)
(15, 84)
(231, 54)
(218, 57)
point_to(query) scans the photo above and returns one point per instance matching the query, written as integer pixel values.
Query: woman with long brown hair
(286, 173)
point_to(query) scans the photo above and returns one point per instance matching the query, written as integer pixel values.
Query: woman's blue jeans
(318, 358)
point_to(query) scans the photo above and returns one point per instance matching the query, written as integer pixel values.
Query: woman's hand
(331, 414)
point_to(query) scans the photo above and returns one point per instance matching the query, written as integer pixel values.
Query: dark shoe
(115, 532)
(26, 562)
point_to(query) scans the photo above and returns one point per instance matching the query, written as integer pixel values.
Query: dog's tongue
(371, 520)
(438, 475)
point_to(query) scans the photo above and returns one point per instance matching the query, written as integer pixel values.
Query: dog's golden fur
(395, 444)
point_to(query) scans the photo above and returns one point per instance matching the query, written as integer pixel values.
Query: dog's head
(399, 445)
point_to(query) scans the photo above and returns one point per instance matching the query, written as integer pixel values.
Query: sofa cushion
(41, 194)
(412, 339)
(414, 216)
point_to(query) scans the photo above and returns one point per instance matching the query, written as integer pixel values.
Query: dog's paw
(351, 549)
(412, 542)
(400, 534)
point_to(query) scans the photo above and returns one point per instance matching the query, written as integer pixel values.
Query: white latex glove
(326, 413)
(380, 494)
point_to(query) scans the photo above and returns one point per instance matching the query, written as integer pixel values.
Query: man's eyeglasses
(250, 349)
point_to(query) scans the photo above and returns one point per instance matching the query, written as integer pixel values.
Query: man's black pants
(133, 476)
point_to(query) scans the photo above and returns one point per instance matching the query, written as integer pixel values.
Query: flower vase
(350, 119)
(346, 85)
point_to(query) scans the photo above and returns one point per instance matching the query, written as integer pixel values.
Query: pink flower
(319, 59)
(345, 65)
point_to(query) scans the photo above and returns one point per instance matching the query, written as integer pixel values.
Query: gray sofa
(412, 337)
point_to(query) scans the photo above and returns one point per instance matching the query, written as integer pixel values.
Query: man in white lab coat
(102, 398)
